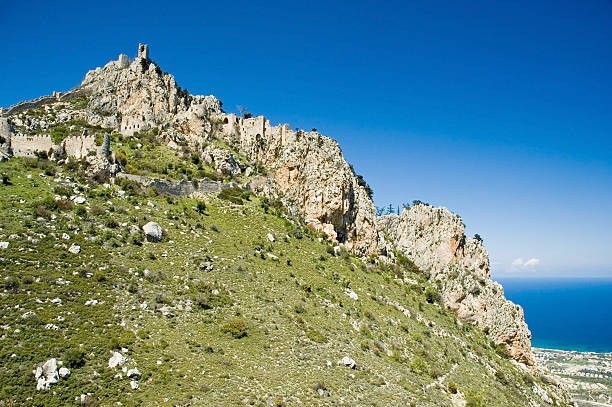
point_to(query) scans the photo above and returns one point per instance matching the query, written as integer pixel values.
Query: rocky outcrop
(434, 239)
(47, 374)
(6, 132)
(312, 175)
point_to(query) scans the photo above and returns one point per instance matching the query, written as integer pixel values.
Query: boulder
(134, 373)
(346, 361)
(64, 373)
(153, 232)
(116, 360)
(46, 375)
(74, 249)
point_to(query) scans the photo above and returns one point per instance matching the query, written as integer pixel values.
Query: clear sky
(500, 111)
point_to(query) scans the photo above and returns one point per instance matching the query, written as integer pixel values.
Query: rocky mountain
(131, 125)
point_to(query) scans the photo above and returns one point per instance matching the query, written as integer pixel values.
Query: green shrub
(499, 375)
(155, 276)
(502, 350)
(121, 157)
(235, 327)
(74, 358)
(315, 335)
(473, 400)
(432, 295)
(62, 190)
(417, 365)
(207, 296)
(201, 206)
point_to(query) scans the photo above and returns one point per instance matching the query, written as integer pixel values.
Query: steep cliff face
(311, 172)
(434, 239)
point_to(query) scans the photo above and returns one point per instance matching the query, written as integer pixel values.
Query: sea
(566, 314)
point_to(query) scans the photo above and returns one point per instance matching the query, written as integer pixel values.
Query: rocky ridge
(309, 174)
(434, 239)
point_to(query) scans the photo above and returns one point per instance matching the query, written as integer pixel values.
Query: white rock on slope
(116, 360)
(153, 232)
(46, 375)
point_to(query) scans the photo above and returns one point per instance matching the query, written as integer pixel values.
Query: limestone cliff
(434, 239)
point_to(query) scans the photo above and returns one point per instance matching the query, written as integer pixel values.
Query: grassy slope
(295, 310)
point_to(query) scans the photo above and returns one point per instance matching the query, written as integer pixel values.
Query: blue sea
(568, 314)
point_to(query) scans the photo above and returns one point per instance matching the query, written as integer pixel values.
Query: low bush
(432, 295)
(236, 327)
(207, 296)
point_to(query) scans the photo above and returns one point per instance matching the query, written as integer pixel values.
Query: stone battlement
(28, 146)
(73, 146)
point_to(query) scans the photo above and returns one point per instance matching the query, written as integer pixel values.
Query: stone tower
(104, 150)
(124, 62)
(143, 51)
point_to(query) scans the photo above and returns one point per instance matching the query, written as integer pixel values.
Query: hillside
(270, 281)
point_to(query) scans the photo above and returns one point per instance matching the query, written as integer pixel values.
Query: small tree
(390, 209)
(477, 237)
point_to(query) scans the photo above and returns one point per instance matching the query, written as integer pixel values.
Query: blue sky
(501, 112)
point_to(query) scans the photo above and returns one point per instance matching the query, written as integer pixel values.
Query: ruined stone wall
(181, 188)
(45, 100)
(27, 146)
(79, 146)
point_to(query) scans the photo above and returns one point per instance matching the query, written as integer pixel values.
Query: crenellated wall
(75, 146)
(27, 146)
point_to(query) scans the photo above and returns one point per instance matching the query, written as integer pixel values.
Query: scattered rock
(153, 232)
(270, 237)
(351, 294)
(74, 249)
(134, 385)
(29, 315)
(4, 245)
(134, 374)
(116, 360)
(64, 373)
(346, 361)
(46, 375)
(79, 200)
